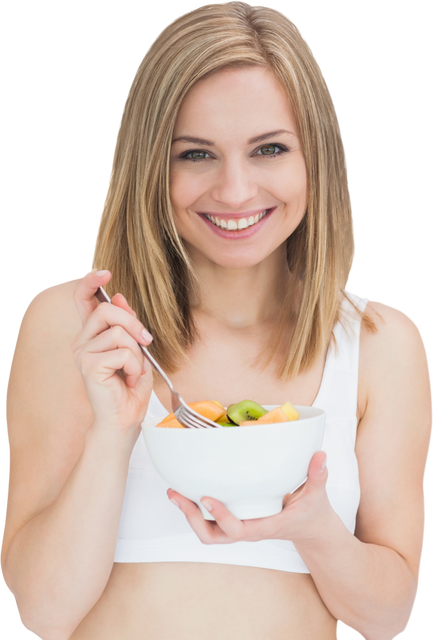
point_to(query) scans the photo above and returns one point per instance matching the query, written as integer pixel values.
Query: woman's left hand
(304, 515)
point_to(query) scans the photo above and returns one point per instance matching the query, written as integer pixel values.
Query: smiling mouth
(237, 225)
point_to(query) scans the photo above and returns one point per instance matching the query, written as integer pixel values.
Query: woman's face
(236, 159)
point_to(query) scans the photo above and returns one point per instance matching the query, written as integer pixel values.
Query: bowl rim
(317, 412)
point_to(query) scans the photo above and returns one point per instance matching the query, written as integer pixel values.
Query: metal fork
(186, 416)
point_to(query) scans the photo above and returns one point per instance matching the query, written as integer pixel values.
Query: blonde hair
(138, 241)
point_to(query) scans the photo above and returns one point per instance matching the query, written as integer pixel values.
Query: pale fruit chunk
(290, 411)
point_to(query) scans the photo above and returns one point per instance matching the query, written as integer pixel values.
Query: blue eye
(282, 149)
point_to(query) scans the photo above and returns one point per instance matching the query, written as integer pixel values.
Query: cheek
(298, 187)
(185, 189)
(177, 190)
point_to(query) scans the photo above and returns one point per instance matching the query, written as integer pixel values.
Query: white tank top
(152, 529)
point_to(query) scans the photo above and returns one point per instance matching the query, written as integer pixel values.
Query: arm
(369, 581)
(370, 587)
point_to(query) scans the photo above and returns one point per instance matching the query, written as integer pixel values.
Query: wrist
(327, 527)
(108, 439)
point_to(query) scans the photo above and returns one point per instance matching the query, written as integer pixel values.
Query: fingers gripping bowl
(249, 469)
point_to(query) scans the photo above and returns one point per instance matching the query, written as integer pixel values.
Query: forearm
(367, 586)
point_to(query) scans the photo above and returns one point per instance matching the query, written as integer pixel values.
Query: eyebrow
(208, 143)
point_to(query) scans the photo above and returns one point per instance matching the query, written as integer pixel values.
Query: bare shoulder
(393, 351)
(396, 329)
(62, 290)
(55, 307)
(389, 314)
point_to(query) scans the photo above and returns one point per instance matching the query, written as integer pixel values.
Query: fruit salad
(242, 414)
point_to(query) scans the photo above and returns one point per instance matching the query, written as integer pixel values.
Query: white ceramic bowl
(248, 469)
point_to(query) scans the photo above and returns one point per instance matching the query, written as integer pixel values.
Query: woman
(236, 263)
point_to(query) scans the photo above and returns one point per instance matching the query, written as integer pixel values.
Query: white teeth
(234, 225)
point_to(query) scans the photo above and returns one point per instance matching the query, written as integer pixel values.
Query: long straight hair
(138, 241)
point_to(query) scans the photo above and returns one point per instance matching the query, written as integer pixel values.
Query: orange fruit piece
(206, 408)
(276, 415)
(171, 424)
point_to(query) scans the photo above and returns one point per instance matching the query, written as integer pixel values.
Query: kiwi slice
(227, 424)
(245, 410)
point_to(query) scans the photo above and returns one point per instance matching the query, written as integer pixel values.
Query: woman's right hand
(105, 346)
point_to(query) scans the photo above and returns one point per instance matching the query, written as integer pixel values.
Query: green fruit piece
(245, 410)
(224, 422)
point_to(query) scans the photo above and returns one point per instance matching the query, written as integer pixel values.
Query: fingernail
(323, 465)
(101, 273)
(146, 335)
(207, 505)
(174, 502)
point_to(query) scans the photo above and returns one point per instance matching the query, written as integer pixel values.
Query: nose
(234, 186)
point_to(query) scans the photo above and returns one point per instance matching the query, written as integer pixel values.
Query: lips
(234, 216)
(235, 224)
(240, 234)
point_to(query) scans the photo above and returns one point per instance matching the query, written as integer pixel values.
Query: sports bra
(152, 529)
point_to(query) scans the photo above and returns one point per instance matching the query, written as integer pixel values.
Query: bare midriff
(193, 601)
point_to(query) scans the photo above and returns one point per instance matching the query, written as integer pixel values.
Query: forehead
(254, 80)
(252, 95)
